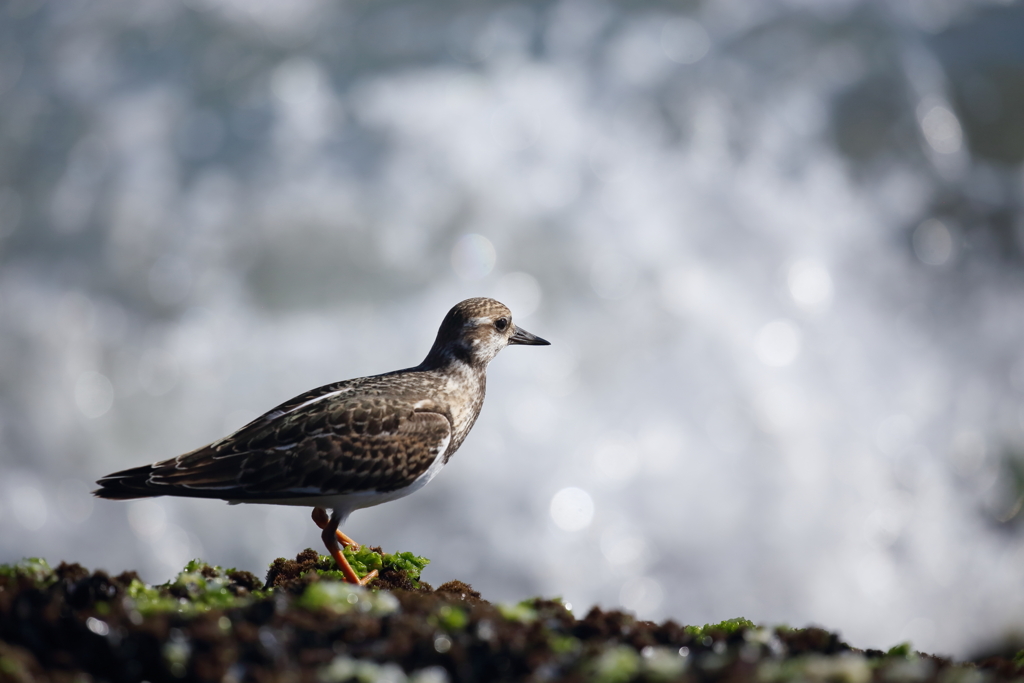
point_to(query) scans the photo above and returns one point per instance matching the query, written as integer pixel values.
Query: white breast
(464, 394)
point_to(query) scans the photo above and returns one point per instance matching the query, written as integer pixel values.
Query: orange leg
(330, 538)
(321, 519)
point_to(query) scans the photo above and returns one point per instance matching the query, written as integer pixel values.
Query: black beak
(521, 336)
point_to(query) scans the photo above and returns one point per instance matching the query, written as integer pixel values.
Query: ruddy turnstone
(347, 445)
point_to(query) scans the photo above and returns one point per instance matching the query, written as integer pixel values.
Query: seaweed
(305, 624)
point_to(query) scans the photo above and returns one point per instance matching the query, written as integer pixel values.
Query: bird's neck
(462, 384)
(462, 389)
(442, 356)
(461, 375)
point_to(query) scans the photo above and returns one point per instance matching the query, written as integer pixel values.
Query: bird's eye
(501, 323)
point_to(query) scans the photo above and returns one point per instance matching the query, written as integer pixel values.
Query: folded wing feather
(327, 447)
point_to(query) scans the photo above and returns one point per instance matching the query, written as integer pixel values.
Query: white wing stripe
(314, 400)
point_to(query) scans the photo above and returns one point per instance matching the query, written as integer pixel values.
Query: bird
(351, 444)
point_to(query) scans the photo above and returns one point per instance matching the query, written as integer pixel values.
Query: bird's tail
(126, 484)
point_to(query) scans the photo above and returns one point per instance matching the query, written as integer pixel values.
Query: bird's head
(475, 330)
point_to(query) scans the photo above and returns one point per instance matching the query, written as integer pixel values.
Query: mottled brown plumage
(350, 444)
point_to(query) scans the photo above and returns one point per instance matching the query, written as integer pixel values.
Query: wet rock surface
(211, 624)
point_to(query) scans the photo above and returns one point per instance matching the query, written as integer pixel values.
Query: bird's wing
(320, 446)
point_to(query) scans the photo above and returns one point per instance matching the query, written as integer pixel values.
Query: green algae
(412, 565)
(365, 560)
(901, 650)
(199, 587)
(149, 599)
(606, 647)
(452, 618)
(728, 627)
(339, 597)
(202, 587)
(36, 570)
(616, 664)
(523, 611)
(564, 644)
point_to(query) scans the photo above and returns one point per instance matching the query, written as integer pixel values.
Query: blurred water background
(777, 246)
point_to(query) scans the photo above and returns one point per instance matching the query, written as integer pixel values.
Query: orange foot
(331, 535)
